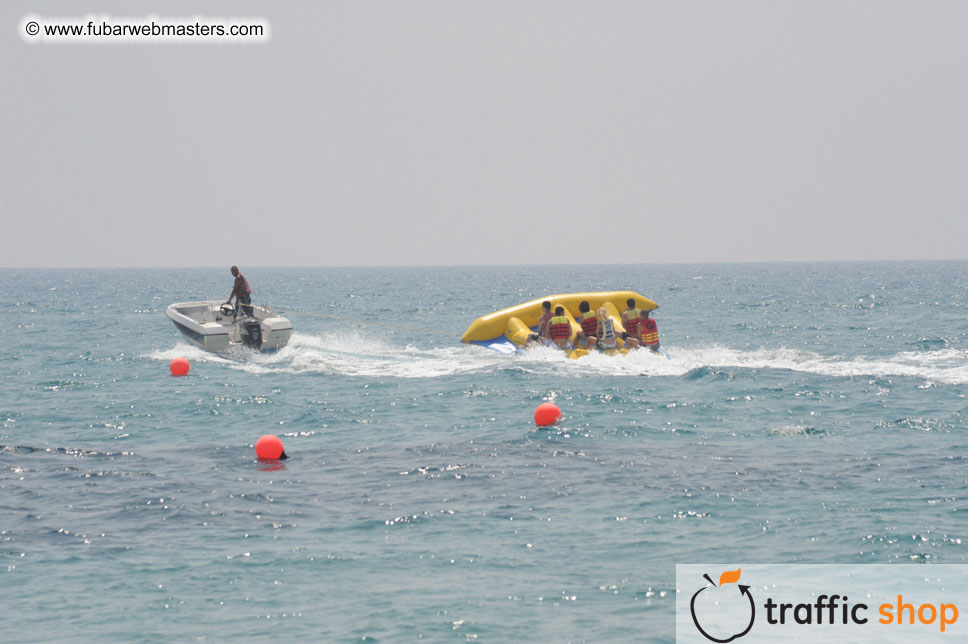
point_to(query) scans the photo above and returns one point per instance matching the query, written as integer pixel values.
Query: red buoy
(269, 448)
(546, 414)
(179, 367)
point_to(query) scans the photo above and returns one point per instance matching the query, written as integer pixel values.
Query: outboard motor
(251, 333)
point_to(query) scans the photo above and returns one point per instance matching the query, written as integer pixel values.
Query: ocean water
(810, 413)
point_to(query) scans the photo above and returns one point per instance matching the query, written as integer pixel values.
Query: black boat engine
(251, 333)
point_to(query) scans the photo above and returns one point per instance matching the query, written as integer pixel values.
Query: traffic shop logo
(726, 611)
(735, 599)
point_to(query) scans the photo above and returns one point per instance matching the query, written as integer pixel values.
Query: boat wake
(352, 354)
(947, 366)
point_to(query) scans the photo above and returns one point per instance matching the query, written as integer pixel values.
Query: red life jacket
(560, 328)
(650, 332)
(631, 322)
(589, 323)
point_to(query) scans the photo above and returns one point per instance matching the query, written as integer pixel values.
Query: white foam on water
(355, 354)
(789, 430)
(190, 351)
(350, 353)
(948, 366)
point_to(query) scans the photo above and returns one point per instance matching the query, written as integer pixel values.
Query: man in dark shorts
(242, 293)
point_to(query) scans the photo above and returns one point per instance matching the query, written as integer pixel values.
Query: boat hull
(203, 325)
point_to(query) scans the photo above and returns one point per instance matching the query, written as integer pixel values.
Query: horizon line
(674, 263)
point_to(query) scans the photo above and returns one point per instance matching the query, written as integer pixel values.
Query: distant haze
(416, 132)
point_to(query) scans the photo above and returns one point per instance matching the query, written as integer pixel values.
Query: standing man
(242, 293)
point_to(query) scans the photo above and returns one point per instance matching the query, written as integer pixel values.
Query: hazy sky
(456, 132)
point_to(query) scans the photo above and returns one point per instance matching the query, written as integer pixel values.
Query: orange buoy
(546, 414)
(269, 448)
(179, 367)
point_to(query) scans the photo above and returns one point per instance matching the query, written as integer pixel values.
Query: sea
(807, 413)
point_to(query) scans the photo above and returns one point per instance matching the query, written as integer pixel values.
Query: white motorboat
(213, 326)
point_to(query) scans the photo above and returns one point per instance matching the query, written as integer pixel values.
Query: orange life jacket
(560, 328)
(631, 322)
(650, 332)
(589, 323)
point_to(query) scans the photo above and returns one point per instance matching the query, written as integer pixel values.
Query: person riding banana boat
(607, 338)
(588, 319)
(631, 318)
(649, 332)
(559, 329)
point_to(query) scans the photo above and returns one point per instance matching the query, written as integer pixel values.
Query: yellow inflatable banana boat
(509, 330)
